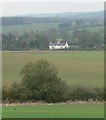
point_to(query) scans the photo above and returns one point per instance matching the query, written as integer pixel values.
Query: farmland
(81, 70)
(76, 68)
(55, 111)
(42, 27)
(27, 28)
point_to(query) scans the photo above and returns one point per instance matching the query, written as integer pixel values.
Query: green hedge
(18, 93)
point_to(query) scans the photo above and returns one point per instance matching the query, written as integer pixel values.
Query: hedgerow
(40, 81)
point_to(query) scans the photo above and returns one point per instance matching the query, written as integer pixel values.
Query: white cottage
(58, 46)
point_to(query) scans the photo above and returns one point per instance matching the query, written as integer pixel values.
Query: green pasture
(76, 68)
(55, 111)
(96, 29)
(28, 28)
(43, 27)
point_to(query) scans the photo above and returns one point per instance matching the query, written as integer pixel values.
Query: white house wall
(56, 47)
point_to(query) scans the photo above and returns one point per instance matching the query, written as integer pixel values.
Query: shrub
(17, 92)
(86, 93)
(5, 93)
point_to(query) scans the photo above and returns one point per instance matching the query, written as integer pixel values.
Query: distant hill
(53, 18)
(67, 14)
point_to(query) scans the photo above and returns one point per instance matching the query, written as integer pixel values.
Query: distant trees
(87, 40)
(41, 41)
(69, 25)
(80, 37)
(79, 23)
(25, 41)
(8, 40)
(65, 25)
(12, 41)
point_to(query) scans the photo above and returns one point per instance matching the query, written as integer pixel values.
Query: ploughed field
(76, 68)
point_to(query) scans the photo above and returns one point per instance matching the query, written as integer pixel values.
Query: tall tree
(42, 79)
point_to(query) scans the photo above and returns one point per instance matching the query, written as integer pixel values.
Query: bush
(5, 93)
(20, 92)
(86, 93)
(17, 92)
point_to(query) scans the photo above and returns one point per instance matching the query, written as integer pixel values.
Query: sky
(20, 8)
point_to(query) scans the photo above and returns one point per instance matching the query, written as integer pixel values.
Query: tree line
(78, 39)
(92, 17)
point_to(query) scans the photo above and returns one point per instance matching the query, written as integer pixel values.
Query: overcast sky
(18, 8)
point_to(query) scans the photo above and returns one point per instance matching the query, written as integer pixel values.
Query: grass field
(55, 111)
(76, 68)
(28, 28)
(42, 27)
(96, 29)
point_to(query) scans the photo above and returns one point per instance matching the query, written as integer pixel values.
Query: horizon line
(48, 13)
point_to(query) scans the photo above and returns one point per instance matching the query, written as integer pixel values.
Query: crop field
(76, 68)
(55, 111)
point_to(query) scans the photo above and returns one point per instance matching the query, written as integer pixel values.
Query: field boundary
(43, 103)
(42, 51)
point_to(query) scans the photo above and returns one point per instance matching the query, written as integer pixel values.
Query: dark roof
(55, 44)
